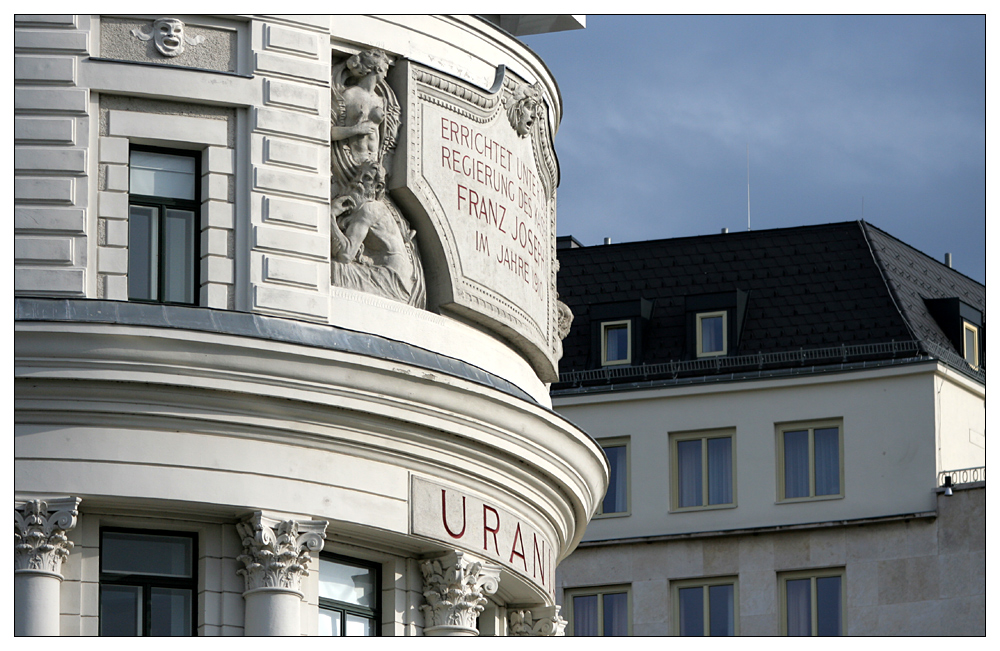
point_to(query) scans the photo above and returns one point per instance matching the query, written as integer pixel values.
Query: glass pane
(359, 626)
(170, 611)
(347, 583)
(121, 610)
(689, 473)
(826, 444)
(615, 498)
(711, 335)
(178, 256)
(585, 616)
(798, 607)
(971, 349)
(720, 471)
(722, 620)
(329, 622)
(616, 614)
(162, 175)
(147, 554)
(143, 253)
(828, 605)
(797, 464)
(616, 344)
(692, 611)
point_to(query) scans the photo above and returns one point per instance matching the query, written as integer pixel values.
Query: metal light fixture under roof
(947, 485)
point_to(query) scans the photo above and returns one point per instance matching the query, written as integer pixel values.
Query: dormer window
(971, 347)
(616, 343)
(711, 330)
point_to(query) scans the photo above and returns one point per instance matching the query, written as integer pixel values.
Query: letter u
(444, 515)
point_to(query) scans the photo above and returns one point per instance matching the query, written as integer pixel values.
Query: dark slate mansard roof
(827, 297)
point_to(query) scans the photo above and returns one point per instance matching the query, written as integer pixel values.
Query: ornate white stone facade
(277, 420)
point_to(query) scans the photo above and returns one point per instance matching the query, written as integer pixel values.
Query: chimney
(947, 260)
(607, 240)
(725, 230)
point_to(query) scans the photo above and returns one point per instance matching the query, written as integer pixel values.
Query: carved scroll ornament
(542, 621)
(455, 589)
(276, 552)
(40, 527)
(168, 36)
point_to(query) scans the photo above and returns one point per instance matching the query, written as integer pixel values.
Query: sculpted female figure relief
(373, 248)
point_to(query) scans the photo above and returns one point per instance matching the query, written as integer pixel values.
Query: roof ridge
(922, 253)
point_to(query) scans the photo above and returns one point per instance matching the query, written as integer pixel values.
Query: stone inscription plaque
(488, 187)
(486, 530)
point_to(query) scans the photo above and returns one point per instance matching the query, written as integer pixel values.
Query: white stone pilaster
(276, 556)
(455, 589)
(40, 545)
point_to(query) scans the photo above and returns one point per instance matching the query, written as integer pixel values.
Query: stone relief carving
(543, 621)
(168, 36)
(373, 248)
(455, 589)
(565, 318)
(524, 107)
(276, 552)
(40, 527)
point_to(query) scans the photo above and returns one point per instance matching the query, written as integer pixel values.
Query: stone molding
(538, 621)
(276, 552)
(455, 589)
(40, 526)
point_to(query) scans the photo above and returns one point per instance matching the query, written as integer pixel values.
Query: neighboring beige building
(285, 321)
(782, 410)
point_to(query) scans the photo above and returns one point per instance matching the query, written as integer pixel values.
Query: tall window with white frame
(704, 607)
(616, 343)
(599, 611)
(704, 475)
(615, 501)
(348, 597)
(163, 226)
(812, 602)
(810, 459)
(970, 335)
(710, 334)
(148, 583)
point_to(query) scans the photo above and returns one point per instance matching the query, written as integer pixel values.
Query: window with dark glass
(148, 583)
(616, 499)
(812, 603)
(810, 461)
(703, 470)
(616, 343)
(704, 607)
(599, 612)
(163, 227)
(711, 334)
(348, 597)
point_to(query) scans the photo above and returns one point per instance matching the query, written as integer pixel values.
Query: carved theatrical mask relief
(524, 107)
(373, 248)
(168, 36)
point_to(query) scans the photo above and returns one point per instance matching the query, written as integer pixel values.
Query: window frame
(812, 574)
(599, 592)
(701, 316)
(345, 608)
(705, 583)
(147, 581)
(162, 204)
(609, 325)
(704, 436)
(780, 429)
(974, 329)
(622, 441)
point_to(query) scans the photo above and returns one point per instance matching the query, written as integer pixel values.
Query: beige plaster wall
(923, 576)
(961, 406)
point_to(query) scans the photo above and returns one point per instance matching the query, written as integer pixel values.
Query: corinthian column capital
(542, 621)
(40, 526)
(276, 552)
(455, 589)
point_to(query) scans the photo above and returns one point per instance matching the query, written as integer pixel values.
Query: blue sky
(659, 110)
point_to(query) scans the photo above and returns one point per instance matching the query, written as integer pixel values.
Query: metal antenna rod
(748, 186)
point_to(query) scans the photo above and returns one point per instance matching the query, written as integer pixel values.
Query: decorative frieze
(455, 589)
(541, 621)
(40, 542)
(276, 552)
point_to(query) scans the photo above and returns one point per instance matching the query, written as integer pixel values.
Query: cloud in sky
(659, 110)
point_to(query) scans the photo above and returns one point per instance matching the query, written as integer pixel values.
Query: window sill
(818, 498)
(602, 516)
(697, 509)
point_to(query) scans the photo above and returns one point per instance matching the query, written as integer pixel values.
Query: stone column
(276, 555)
(455, 589)
(542, 621)
(40, 545)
